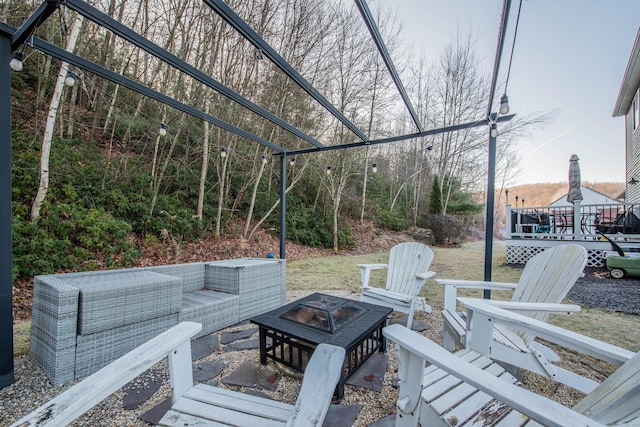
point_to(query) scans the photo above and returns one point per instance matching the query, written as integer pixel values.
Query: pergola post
(283, 205)
(491, 185)
(6, 306)
(491, 166)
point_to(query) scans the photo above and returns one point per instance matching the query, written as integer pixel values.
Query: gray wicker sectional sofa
(83, 321)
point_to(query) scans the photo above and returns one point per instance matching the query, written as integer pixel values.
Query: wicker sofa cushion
(191, 274)
(214, 310)
(112, 299)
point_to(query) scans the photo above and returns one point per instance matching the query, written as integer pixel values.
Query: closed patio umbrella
(575, 195)
(574, 180)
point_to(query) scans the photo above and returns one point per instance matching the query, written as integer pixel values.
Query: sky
(569, 60)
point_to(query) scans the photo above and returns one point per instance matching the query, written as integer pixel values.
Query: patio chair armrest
(477, 284)
(416, 348)
(365, 271)
(533, 307)
(319, 382)
(482, 314)
(451, 287)
(426, 275)
(419, 280)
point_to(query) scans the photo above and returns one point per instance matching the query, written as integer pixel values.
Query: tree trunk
(205, 165)
(160, 174)
(253, 198)
(222, 175)
(45, 152)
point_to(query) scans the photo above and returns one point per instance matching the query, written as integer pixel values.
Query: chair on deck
(408, 270)
(200, 404)
(469, 389)
(544, 225)
(545, 281)
(609, 220)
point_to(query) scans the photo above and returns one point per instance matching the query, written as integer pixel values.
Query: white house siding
(632, 138)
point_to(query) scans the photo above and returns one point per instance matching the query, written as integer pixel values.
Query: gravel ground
(598, 290)
(31, 388)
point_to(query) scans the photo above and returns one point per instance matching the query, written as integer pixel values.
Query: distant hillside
(545, 194)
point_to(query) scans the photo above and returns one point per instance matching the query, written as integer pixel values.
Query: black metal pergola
(12, 39)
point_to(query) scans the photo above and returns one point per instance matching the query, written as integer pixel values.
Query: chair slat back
(405, 261)
(548, 277)
(617, 399)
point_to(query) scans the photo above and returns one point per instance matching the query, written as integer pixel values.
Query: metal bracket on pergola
(12, 39)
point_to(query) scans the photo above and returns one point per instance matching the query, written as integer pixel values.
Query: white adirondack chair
(408, 270)
(469, 389)
(546, 279)
(200, 404)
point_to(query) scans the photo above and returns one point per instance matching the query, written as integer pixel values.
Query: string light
(504, 104)
(494, 130)
(292, 161)
(374, 168)
(264, 159)
(163, 129)
(504, 100)
(70, 80)
(223, 152)
(328, 170)
(16, 63)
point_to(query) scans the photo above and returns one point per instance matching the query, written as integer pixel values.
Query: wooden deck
(531, 230)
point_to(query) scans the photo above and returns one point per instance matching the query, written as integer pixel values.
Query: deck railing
(618, 221)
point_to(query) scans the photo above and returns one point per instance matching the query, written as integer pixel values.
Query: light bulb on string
(292, 161)
(70, 80)
(16, 62)
(494, 130)
(223, 152)
(328, 170)
(504, 104)
(264, 159)
(374, 168)
(163, 129)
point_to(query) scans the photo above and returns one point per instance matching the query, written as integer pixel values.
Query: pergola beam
(32, 22)
(398, 138)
